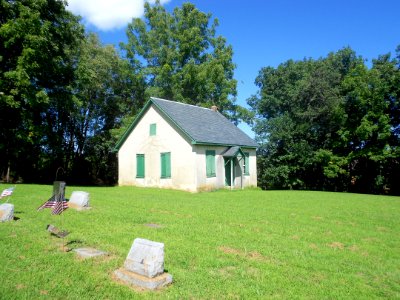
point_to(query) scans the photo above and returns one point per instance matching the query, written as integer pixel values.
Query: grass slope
(225, 244)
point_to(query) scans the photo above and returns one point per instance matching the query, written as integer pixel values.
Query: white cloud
(108, 14)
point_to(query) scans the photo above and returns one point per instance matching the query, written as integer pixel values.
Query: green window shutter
(166, 165)
(246, 163)
(210, 163)
(140, 166)
(153, 129)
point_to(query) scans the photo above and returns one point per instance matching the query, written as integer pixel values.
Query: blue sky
(267, 33)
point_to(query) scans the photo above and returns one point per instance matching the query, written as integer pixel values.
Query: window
(139, 165)
(166, 165)
(153, 129)
(246, 163)
(210, 163)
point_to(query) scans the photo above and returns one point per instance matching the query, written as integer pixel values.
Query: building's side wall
(251, 179)
(205, 183)
(210, 183)
(167, 139)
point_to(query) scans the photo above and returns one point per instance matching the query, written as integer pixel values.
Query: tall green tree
(104, 91)
(299, 109)
(370, 136)
(330, 123)
(37, 38)
(179, 57)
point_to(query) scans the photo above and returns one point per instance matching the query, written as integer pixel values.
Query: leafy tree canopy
(330, 123)
(179, 57)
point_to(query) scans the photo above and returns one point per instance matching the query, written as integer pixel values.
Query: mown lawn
(225, 244)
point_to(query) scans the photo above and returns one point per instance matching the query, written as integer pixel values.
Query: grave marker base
(136, 280)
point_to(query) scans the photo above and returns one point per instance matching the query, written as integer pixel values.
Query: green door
(227, 162)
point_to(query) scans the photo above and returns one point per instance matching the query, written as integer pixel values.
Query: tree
(104, 91)
(37, 39)
(179, 57)
(370, 135)
(330, 123)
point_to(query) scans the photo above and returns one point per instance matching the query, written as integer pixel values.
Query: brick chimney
(214, 108)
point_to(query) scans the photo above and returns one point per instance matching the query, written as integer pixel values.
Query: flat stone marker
(89, 252)
(79, 200)
(6, 212)
(144, 265)
(57, 232)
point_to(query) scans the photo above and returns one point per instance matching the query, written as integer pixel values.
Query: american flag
(57, 206)
(7, 192)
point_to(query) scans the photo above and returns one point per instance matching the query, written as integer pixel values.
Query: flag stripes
(7, 192)
(58, 206)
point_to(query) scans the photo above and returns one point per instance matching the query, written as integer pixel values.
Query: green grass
(224, 244)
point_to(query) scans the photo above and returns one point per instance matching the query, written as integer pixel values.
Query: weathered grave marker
(6, 212)
(57, 232)
(79, 200)
(87, 252)
(144, 265)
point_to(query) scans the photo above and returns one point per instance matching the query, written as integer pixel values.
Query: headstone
(89, 252)
(57, 232)
(145, 258)
(6, 212)
(144, 265)
(79, 200)
(59, 190)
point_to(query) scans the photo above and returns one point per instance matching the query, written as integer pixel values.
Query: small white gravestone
(144, 265)
(6, 212)
(145, 258)
(79, 200)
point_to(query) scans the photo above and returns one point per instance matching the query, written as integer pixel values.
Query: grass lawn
(224, 244)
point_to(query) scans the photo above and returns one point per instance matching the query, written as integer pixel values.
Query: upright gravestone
(6, 212)
(79, 200)
(59, 190)
(144, 265)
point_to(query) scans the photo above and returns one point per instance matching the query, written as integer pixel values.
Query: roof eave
(224, 145)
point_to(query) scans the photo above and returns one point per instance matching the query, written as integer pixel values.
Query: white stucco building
(181, 146)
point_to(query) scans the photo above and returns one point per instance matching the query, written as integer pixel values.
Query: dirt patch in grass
(341, 246)
(371, 239)
(336, 245)
(318, 277)
(167, 212)
(252, 255)
(313, 246)
(382, 229)
(353, 248)
(295, 237)
(254, 272)
(317, 218)
(229, 250)
(228, 271)
(44, 292)
(20, 286)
